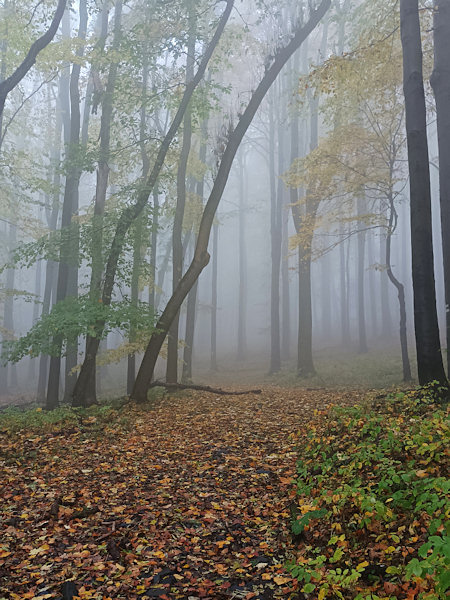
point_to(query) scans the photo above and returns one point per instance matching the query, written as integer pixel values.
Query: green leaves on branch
(75, 317)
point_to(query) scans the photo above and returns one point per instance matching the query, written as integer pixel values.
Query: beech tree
(201, 256)
(429, 358)
(440, 82)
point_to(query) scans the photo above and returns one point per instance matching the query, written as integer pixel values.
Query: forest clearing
(194, 496)
(224, 299)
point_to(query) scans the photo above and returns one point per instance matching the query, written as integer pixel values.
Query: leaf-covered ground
(188, 498)
(373, 501)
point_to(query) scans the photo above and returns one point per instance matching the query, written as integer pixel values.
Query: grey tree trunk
(102, 182)
(132, 212)
(242, 253)
(429, 358)
(68, 263)
(214, 297)
(440, 82)
(275, 239)
(177, 245)
(201, 256)
(362, 335)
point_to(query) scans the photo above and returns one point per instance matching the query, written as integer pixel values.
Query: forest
(224, 299)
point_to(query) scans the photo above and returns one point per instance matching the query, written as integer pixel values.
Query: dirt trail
(187, 500)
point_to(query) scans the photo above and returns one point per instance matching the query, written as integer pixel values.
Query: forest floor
(188, 497)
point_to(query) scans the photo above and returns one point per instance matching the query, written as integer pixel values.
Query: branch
(201, 388)
(10, 83)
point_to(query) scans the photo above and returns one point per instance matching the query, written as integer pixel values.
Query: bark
(8, 373)
(201, 256)
(429, 358)
(392, 224)
(177, 244)
(343, 284)
(214, 298)
(153, 252)
(362, 335)
(284, 209)
(51, 266)
(102, 182)
(193, 294)
(386, 317)
(69, 244)
(16, 77)
(189, 337)
(242, 252)
(137, 261)
(275, 239)
(202, 388)
(440, 82)
(132, 212)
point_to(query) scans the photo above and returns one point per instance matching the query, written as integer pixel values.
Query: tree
(429, 358)
(129, 214)
(440, 82)
(19, 73)
(201, 256)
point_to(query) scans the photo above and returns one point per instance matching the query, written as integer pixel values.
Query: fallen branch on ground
(201, 388)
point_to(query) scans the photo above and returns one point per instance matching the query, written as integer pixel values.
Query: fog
(319, 180)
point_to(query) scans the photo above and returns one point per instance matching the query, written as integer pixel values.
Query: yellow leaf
(322, 593)
(282, 580)
(421, 473)
(362, 565)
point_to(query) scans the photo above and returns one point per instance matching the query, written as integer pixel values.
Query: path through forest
(187, 499)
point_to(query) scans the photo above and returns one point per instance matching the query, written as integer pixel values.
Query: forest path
(188, 499)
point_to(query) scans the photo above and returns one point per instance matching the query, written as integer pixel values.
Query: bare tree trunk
(129, 214)
(429, 358)
(392, 224)
(177, 245)
(8, 375)
(214, 298)
(201, 256)
(275, 238)
(69, 245)
(102, 184)
(440, 81)
(362, 335)
(242, 252)
(51, 266)
(137, 261)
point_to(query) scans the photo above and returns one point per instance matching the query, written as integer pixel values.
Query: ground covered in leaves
(371, 517)
(189, 497)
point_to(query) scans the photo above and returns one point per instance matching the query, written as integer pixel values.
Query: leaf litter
(186, 498)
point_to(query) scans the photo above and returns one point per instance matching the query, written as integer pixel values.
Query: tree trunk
(429, 358)
(275, 238)
(129, 214)
(101, 188)
(440, 82)
(242, 253)
(137, 260)
(51, 266)
(362, 335)
(214, 298)
(201, 256)
(392, 224)
(69, 243)
(177, 245)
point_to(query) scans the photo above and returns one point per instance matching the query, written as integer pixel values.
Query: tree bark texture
(440, 82)
(429, 358)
